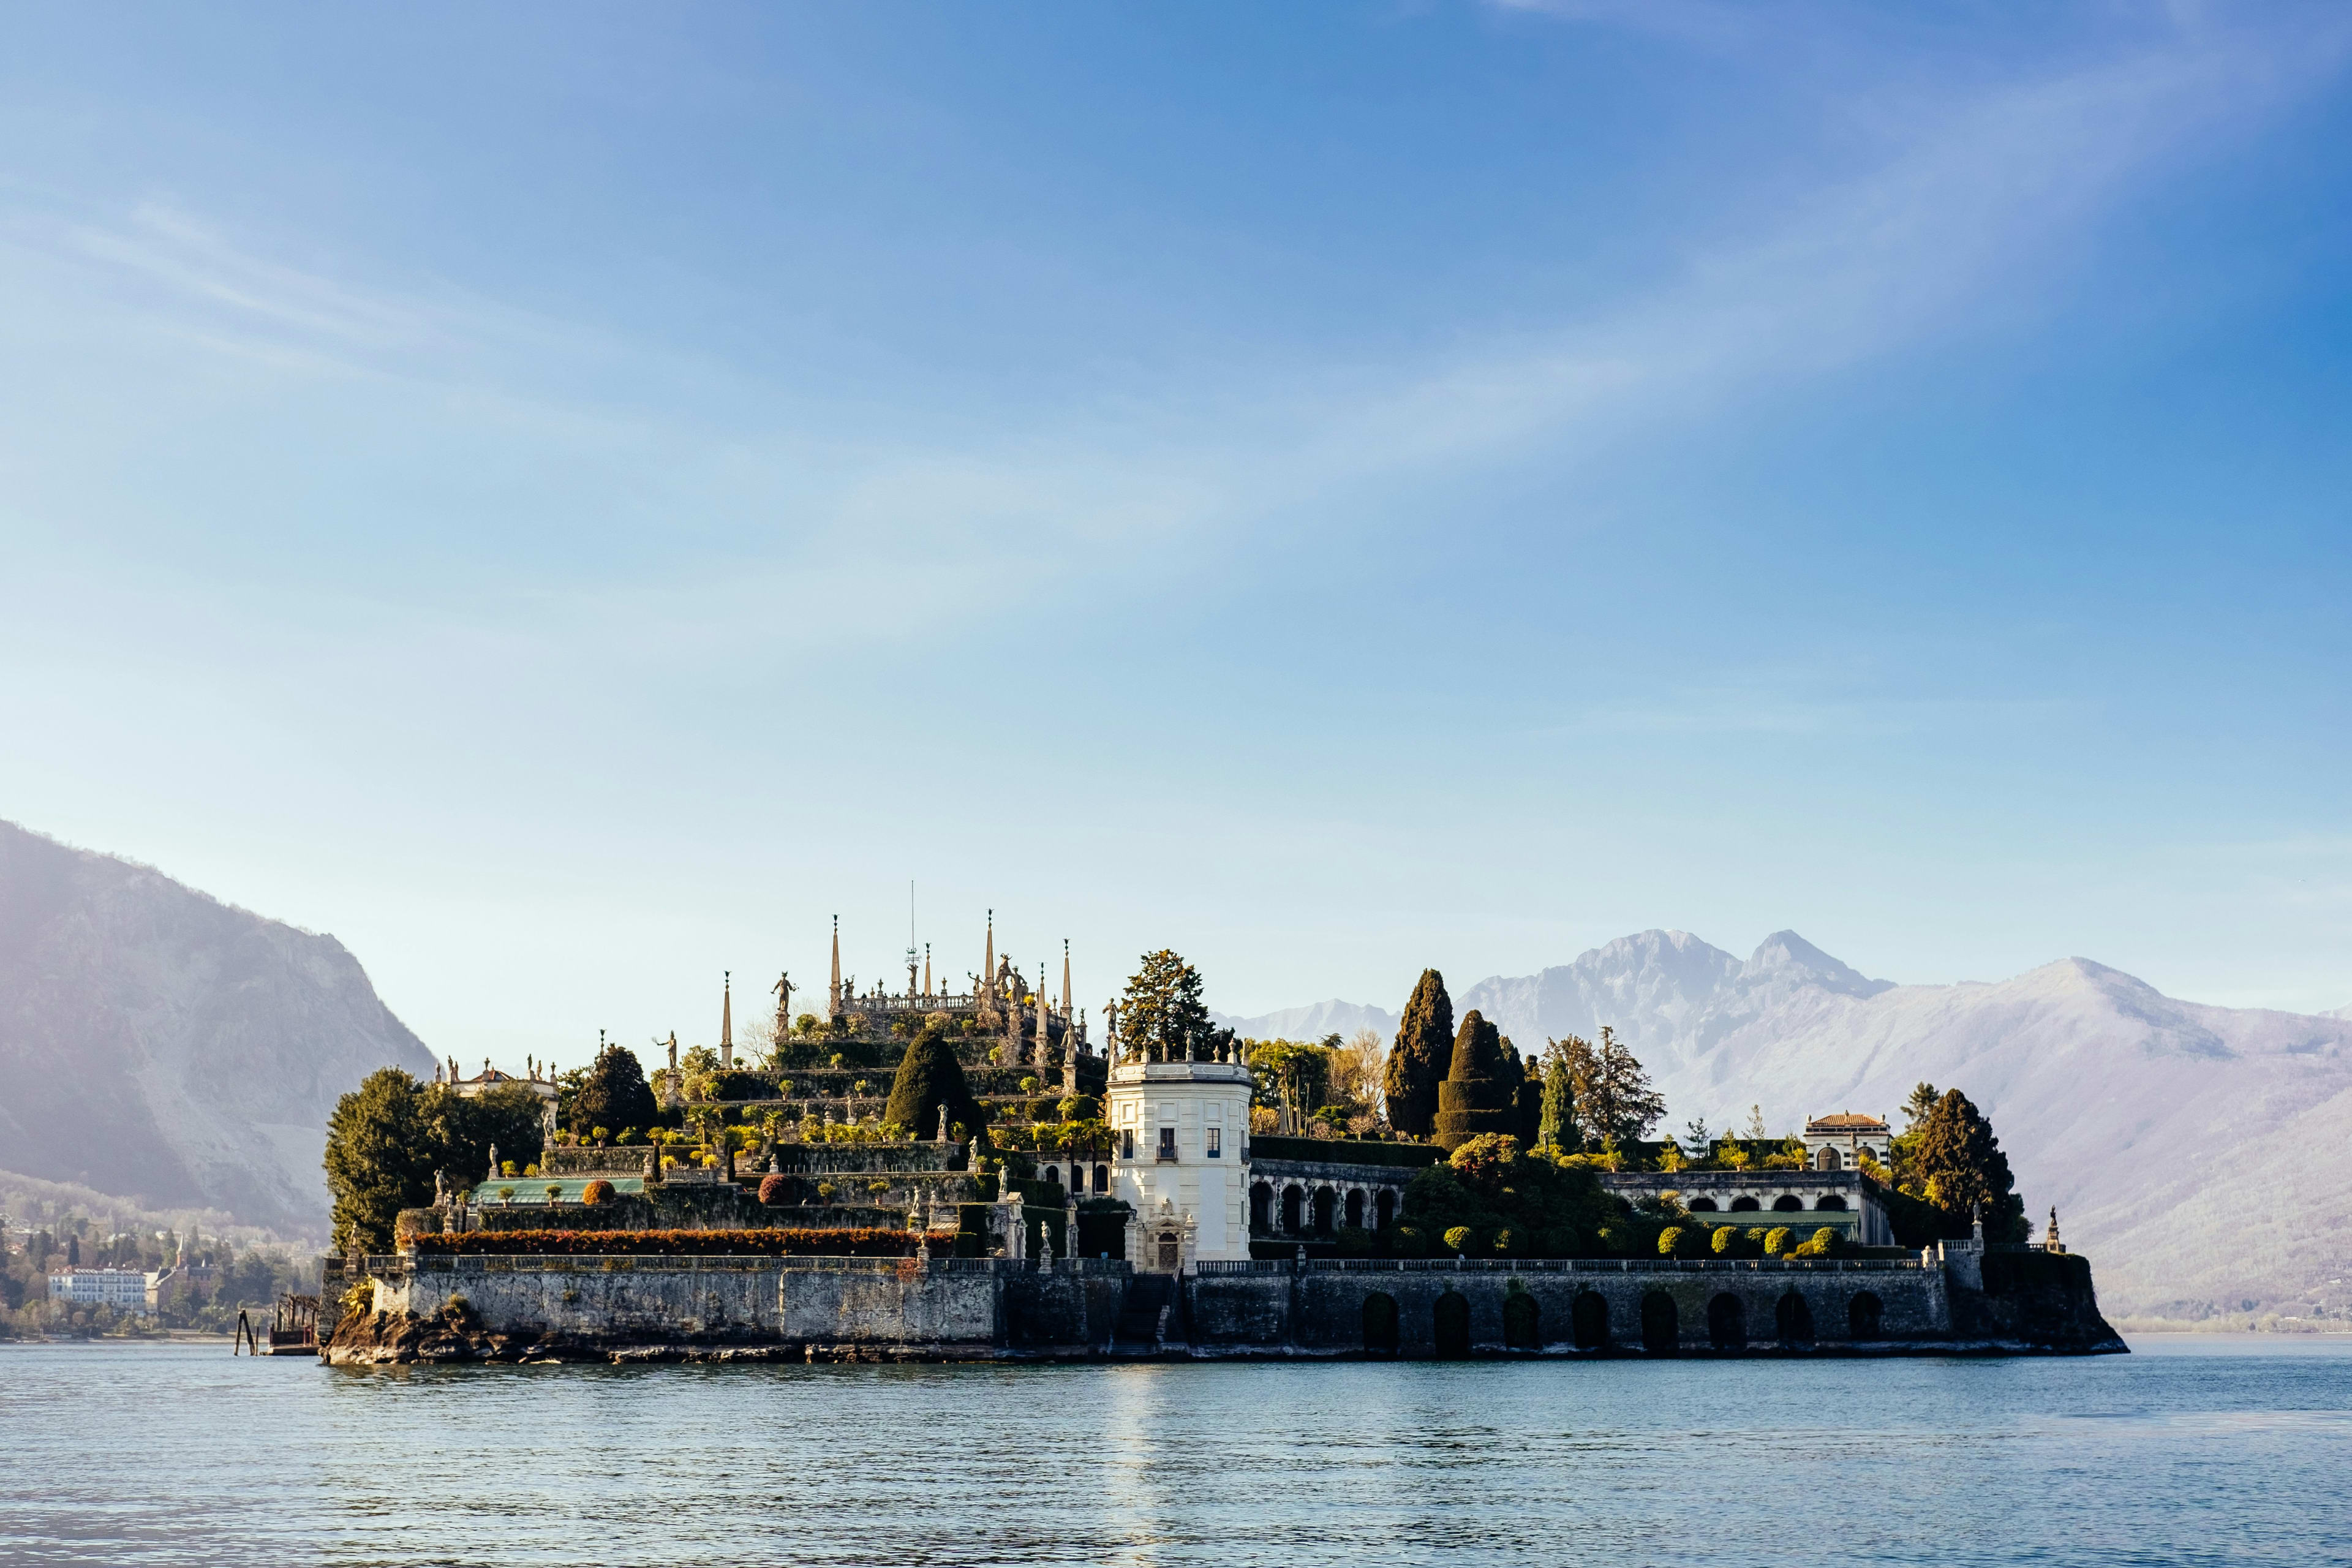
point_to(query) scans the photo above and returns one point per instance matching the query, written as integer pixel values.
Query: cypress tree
(929, 1077)
(1421, 1057)
(1481, 1090)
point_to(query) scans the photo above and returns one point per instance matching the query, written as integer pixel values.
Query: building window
(1215, 1150)
(1127, 1144)
(1168, 1143)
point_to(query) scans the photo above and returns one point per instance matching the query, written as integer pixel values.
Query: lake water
(2205, 1450)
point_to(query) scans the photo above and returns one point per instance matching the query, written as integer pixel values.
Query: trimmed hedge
(599, 1191)
(775, 1187)
(864, 1243)
(1346, 1151)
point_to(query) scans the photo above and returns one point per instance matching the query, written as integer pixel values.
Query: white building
(1181, 1135)
(1837, 1143)
(124, 1290)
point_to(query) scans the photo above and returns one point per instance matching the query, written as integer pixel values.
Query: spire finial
(727, 1017)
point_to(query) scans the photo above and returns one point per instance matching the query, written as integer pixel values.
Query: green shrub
(599, 1134)
(1775, 1241)
(599, 1191)
(1508, 1241)
(1670, 1240)
(1355, 1241)
(1616, 1239)
(1458, 1239)
(1724, 1241)
(1408, 1241)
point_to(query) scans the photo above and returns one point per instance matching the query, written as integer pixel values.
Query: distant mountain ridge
(1309, 1023)
(160, 1044)
(2168, 1132)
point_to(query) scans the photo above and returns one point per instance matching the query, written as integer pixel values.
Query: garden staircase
(1145, 1311)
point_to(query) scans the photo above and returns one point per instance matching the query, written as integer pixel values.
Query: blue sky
(568, 498)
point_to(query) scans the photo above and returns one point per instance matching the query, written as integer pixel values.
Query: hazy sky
(569, 499)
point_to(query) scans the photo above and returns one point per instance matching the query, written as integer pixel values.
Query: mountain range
(2201, 1154)
(161, 1045)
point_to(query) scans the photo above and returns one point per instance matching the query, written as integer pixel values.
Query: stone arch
(1793, 1319)
(1052, 1175)
(1450, 1318)
(1702, 1205)
(1522, 1322)
(1294, 1204)
(1102, 1178)
(1589, 1320)
(1261, 1207)
(1726, 1322)
(1385, 1207)
(1829, 1159)
(1380, 1323)
(1356, 1208)
(1862, 1315)
(1661, 1325)
(1787, 1203)
(1831, 1201)
(1326, 1200)
(1745, 1205)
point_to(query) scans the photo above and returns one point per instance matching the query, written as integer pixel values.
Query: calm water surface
(2191, 1451)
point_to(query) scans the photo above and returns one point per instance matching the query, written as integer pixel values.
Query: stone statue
(944, 1121)
(1045, 1245)
(783, 989)
(494, 1161)
(441, 1190)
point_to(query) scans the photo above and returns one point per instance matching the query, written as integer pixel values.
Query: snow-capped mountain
(2203, 1154)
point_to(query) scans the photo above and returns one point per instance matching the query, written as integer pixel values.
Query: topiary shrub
(1458, 1239)
(1725, 1242)
(1408, 1241)
(1775, 1241)
(599, 1191)
(772, 1189)
(1826, 1242)
(1670, 1241)
(1476, 1096)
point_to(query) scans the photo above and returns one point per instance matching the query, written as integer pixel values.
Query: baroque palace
(939, 1172)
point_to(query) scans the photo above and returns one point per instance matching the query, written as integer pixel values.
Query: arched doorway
(1787, 1203)
(1862, 1315)
(1102, 1178)
(1325, 1202)
(1385, 1207)
(1726, 1322)
(1052, 1175)
(1661, 1325)
(1589, 1320)
(1522, 1322)
(1831, 1201)
(1829, 1160)
(1261, 1207)
(1293, 1202)
(1380, 1323)
(1793, 1319)
(1702, 1205)
(1451, 1320)
(1356, 1210)
(1745, 1205)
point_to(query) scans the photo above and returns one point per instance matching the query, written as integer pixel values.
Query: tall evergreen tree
(1557, 1127)
(1964, 1172)
(1161, 1014)
(614, 1095)
(1421, 1057)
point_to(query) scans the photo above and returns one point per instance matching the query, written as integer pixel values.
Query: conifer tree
(613, 1095)
(1557, 1127)
(1421, 1057)
(1161, 1014)
(1613, 1096)
(1963, 1171)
